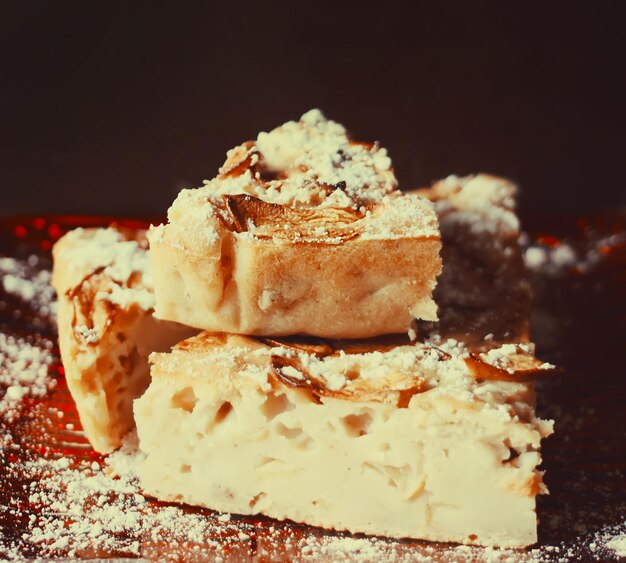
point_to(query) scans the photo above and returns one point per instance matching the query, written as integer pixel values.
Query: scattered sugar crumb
(618, 545)
(83, 506)
(24, 367)
(29, 281)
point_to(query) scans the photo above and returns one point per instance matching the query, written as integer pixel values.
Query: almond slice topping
(241, 158)
(396, 386)
(312, 346)
(271, 220)
(518, 365)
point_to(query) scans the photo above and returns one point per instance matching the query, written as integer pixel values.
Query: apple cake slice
(432, 440)
(106, 328)
(302, 231)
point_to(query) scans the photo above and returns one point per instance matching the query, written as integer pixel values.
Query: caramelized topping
(202, 342)
(520, 366)
(97, 297)
(397, 387)
(312, 346)
(246, 211)
(92, 317)
(241, 158)
(321, 347)
(271, 220)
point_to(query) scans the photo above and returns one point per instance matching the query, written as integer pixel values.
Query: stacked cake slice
(423, 440)
(303, 231)
(339, 385)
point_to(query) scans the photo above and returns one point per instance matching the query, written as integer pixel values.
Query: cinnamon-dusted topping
(509, 362)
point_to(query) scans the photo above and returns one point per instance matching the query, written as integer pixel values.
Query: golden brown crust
(280, 285)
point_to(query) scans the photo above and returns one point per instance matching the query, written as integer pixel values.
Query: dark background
(110, 108)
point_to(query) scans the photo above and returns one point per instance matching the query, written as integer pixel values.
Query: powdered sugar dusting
(89, 249)
(24, 369)
(484, 203)
(618, 544)
(27, 280)
(316, 151)
(86, 508)
(125, 262)
(304, 164)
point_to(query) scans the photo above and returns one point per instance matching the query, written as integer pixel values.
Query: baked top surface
(389, 370)
(308, 181)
